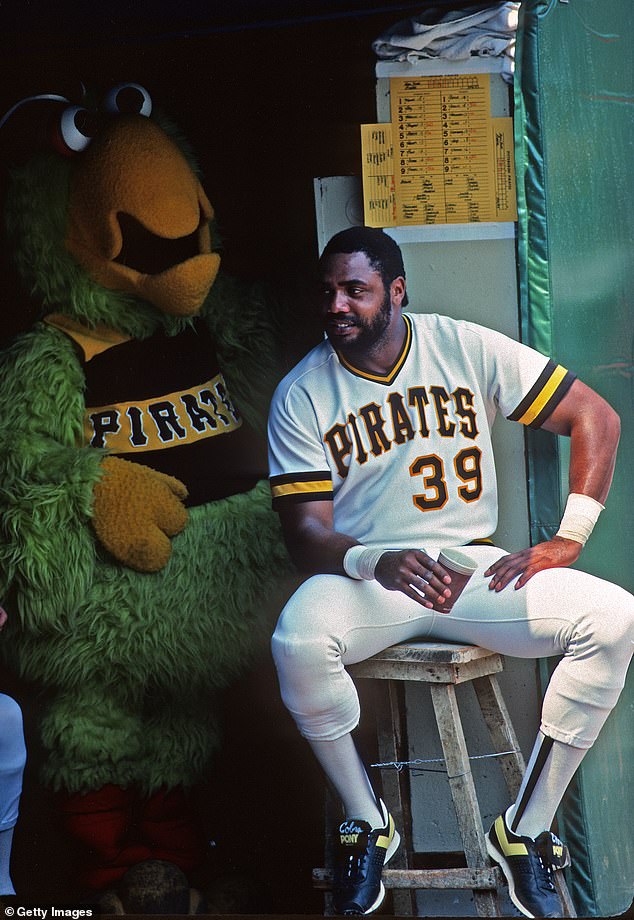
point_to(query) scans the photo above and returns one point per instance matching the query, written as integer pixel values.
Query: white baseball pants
(332, 621)
(12, 760)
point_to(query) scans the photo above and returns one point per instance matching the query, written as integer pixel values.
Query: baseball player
(380, 455)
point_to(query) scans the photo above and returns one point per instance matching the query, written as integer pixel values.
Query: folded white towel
(453, 35)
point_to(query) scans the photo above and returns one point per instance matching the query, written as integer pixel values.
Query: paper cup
(461, 567)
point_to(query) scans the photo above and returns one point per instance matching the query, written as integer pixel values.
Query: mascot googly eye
(72, 130)
(128, 98)
(49, 120)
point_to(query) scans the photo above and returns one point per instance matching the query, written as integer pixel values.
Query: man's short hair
(383, 253)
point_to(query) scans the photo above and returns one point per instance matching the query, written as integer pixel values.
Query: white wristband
(360, 561)
(580, 516)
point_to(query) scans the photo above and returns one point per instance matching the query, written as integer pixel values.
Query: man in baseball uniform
(380, 456)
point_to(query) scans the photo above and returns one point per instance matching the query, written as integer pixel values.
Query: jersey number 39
(432, 470)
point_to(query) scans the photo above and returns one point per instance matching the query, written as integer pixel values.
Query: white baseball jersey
(407, 457)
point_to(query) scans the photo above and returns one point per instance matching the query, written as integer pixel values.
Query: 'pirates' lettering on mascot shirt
(188, 416)
(162, 401)
(372, 429)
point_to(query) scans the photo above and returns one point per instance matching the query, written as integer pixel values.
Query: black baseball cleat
(528, 867)
(360, 854)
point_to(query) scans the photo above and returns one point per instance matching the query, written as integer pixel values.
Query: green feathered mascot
(137, 544)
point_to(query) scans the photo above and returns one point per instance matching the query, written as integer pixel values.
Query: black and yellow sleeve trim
(394, 371)
(544, 396)
(301, 487)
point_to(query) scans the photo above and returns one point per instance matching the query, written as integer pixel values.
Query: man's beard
(371, 333)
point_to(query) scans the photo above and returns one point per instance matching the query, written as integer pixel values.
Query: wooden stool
(442, 666)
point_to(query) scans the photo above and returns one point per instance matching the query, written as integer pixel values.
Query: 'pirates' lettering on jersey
(156, 424)
(372, 429)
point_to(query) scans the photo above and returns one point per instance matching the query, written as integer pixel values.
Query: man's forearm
(317, 549)
(593, 428)
(593, 446)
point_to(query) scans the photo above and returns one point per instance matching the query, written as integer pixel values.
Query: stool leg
(503, 737)
(564, 894)
(332, 818)
(462, 788)
(392, 747)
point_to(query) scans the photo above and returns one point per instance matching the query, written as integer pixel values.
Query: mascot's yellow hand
(136, 510)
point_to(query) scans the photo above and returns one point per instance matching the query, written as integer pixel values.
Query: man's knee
(303, 632)
(292, 649)
(611, 623)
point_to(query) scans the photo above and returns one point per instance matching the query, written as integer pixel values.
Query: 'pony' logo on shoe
(361, 851)
(353, 832)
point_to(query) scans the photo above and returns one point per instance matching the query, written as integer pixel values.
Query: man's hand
(415, 574)
(555, 553)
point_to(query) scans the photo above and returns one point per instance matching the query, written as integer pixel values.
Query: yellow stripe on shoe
(508, 848)
(385, 839)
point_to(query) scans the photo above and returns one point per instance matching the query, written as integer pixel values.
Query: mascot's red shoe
(169, 828)
(101, 821)
(118, 829)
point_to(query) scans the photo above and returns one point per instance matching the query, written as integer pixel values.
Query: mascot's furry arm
(52, 488)
(47, 488)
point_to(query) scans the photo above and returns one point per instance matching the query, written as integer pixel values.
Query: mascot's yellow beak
(138, 218)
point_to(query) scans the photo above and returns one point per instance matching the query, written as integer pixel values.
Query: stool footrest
(473, 879)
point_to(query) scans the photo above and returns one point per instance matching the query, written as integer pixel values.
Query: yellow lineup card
(378, 175)
(451, 162)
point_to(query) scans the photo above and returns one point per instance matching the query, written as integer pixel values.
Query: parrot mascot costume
(137, 544)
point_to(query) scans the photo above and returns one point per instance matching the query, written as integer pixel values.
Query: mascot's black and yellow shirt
(163, 402)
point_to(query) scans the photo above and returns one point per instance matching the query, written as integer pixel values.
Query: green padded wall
(574, 97)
